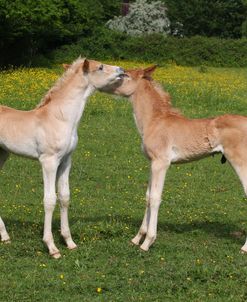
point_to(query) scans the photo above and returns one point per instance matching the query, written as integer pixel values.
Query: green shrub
(194, 51)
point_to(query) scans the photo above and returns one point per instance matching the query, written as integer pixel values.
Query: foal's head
(130, 81)
(97, 74)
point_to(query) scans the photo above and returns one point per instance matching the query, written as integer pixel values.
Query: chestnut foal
(169, 137)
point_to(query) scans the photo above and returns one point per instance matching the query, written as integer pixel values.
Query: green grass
(195, 257)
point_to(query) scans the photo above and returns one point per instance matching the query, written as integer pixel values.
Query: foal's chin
(113, 86)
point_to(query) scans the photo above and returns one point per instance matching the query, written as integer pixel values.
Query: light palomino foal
(49, 133)
(169, 137)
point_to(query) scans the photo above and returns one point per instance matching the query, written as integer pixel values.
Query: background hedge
(105, 44)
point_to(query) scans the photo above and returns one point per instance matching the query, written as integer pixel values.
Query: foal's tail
(3, 157)
(223, 159)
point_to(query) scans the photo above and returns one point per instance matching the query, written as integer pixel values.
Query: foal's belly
(183, 156)
(183, 160)
(22, 148)
(72, 143)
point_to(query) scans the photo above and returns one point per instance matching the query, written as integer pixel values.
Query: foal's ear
(85, 66)
(147, 72)
(66, 66)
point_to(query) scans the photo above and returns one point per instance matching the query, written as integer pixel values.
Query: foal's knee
(50, 203)
(154, 202)
(64, 200)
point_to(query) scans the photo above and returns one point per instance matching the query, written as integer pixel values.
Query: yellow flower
(99, 290)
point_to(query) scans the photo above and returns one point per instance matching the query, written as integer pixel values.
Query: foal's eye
(101, 67)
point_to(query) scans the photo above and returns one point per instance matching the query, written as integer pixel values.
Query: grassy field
(202, 219)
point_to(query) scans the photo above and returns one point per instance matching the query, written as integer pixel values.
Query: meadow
(202, 220)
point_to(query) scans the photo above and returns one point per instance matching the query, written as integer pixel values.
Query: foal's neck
(68, 103)
(149, 102)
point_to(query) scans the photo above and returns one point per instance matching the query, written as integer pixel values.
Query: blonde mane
(165, 99)
(60, 82)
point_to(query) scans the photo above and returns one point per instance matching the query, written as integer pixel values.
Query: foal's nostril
(120, 70)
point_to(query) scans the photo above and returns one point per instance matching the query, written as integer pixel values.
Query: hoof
(134, 242)
(72, 246)
(56, 255)
(144, 248)
(242, 251)
(7, 241)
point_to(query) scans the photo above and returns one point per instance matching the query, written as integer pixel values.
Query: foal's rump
(231, 121)
(231, 130)
(17, 132)
(231, 133)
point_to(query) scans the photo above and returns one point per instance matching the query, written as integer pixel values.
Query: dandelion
(99, 290)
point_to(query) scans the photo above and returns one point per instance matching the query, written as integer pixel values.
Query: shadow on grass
(218, 229)
(214, 228)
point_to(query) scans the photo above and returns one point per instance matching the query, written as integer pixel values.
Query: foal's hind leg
(241, 169)
(64, 197)
(3, 233)
(242, 173)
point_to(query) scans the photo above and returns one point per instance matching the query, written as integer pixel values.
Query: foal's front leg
(64, 198)
(158, 172)
(145, 222)
(49, 167)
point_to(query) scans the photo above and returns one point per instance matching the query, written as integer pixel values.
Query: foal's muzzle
(120, 70)
(122, 73)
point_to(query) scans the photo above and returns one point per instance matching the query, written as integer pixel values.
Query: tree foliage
(244, 25)
(33, 26)
(143, 18)
(211, 18)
